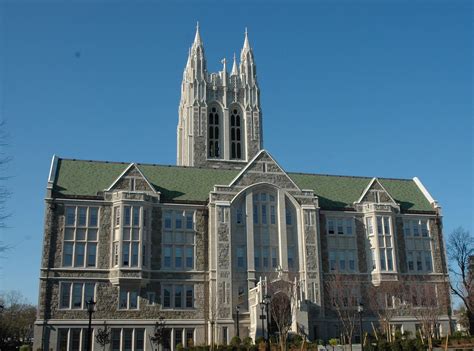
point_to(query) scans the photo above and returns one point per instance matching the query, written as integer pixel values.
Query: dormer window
(213, 137)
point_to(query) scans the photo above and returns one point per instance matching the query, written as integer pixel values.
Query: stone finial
(234, 72)
(197, 38)
(224, 64)
(246, 41)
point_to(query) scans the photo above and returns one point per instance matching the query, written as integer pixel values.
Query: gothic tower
(220, 120)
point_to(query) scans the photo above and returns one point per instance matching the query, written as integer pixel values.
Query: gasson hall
(200, 245)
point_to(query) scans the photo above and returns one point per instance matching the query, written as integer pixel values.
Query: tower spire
(246, 49)
(197, 37)
(246, 41)
(234, 71)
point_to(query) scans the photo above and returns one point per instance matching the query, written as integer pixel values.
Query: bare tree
(460, 249)
(103, 336)
(17, 318)
(282, 306)
(343, 292)
(386, 302)
(4, 192)
(428, 303)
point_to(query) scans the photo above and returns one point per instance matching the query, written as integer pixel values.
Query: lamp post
(262, 317)
(90, 310)
(212, 334)
(360, 310)
(264, 304)
(237, 311)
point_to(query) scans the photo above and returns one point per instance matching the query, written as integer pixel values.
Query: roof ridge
(349, 176)
(137, 163)
(217, 169)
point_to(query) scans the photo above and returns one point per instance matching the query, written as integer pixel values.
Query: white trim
(72, 202)
(342, 213)
(374, 179)
(252, 161)
(125, 322)
(425, 192)
(133, 164)
(52, 171)
(404, 215)
(180, 204)
(222, 203)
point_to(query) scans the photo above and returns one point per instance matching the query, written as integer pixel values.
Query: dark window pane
(139, 339)
(115, 339)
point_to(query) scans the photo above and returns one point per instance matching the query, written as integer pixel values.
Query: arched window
(213, 136)
(235, 134)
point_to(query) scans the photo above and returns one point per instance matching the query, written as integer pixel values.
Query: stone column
(225, 147)
(250, 240)
(311, 253)
(223, 264)
(282, 237)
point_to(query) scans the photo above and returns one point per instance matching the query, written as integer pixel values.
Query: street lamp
(212, 334)
(265, 302)
(90, 310)
(360, 310)
(262, 317)
(237, 310)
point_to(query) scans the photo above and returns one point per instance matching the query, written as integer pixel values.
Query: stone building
(190, 243)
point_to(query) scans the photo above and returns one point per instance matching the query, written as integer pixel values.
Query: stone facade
(142, 250)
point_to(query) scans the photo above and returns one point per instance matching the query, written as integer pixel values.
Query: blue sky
(372, 88)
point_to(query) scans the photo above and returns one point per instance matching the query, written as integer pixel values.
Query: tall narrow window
(80, 236)
(178, 240)
(131, 236)
(213, 136)
(235, 135)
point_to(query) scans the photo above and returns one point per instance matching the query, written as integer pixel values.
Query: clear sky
(371, 88)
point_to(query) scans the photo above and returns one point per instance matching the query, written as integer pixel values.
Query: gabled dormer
(376, 198)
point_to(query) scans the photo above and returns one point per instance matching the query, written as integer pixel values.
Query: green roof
(88, 178)
(336, 192)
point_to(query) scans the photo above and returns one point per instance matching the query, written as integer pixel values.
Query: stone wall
(401, 247)
(361, 239)
(439, 250)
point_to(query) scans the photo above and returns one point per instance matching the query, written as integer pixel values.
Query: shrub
(247, 342)
(383, 345)
(397, 345)
(179, 347)
(25, 348)
(235, 341)
(333, 342)
(295, 340)
(259, 340)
